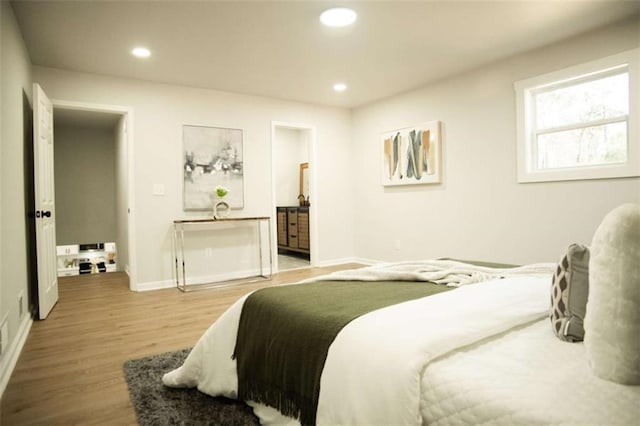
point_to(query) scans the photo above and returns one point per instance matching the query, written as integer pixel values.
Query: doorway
(93, 189)
(294, 232)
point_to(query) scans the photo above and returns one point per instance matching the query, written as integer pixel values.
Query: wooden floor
(70, 370)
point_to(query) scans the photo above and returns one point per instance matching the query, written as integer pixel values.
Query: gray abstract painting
(212, 156)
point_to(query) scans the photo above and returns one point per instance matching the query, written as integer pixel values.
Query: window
(580, 122)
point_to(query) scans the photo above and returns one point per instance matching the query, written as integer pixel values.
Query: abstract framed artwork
(412, 155)
(212, 156)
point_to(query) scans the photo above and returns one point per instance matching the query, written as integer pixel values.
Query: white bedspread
(373, 369)
(526, 377)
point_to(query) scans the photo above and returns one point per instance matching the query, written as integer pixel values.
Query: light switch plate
(158, 189)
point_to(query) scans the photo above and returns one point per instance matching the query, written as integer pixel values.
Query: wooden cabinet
(293, 229)
(282, 227)
(303, 228)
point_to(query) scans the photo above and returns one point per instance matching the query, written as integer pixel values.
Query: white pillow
(612, 320)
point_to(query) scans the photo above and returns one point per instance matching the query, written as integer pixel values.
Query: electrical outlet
(4, 336)
(21, 304)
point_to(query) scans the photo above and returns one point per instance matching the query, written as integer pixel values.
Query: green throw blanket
(285, 333)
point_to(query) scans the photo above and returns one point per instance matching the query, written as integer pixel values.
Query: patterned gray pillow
(569, 292)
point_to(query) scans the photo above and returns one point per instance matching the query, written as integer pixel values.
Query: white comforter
(374, 367)
(526, 377)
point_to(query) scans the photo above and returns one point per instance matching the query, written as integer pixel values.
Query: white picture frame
(412, 155)
(212, 156)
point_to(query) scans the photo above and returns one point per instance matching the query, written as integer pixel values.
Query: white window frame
(525, 114)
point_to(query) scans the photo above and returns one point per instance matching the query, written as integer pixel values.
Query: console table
(182, 229)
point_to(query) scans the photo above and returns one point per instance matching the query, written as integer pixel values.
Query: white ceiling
(280, 49)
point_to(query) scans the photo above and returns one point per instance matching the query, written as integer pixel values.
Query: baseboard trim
(220, 278)
(367, 261)
(9, 361)
(159, 285)
(155, 285)
(335, 262)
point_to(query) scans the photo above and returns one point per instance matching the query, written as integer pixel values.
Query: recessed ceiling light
(339, 87)
(141, 52)
(338, 17)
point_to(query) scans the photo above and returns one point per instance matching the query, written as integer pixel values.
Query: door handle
(46, 214)
(42, 213)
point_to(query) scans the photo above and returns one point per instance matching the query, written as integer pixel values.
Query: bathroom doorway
(295, 238)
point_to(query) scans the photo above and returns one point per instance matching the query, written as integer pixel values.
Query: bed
(476, 347)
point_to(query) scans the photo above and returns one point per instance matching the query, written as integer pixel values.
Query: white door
(44, 196)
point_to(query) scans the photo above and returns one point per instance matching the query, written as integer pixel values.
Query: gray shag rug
(156, 404)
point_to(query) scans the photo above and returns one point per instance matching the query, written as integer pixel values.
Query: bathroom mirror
(304, 179)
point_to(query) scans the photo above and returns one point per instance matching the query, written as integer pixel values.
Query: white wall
(85, 184)
(480, 211)
(159, 113)
(16, 78)
(291, 148)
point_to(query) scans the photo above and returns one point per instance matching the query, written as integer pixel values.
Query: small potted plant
(221, 208)
(221, 191)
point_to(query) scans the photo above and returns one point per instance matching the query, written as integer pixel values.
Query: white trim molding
(9, 361)
(203, 279)
(155, 285)
(345, 260)
(127, 113)
(314, 235)
(526, 91)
